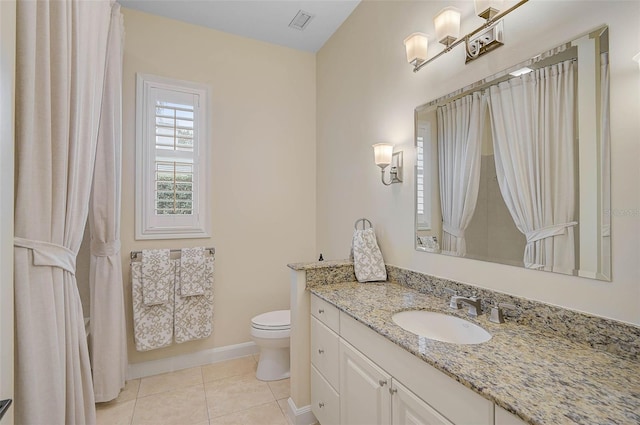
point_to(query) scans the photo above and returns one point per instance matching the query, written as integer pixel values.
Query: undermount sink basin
(441, 327)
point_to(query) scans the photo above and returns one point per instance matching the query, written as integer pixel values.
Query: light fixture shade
(487, 9)
(383, 153)
(416, 45)
(637, 58)
(447, 24)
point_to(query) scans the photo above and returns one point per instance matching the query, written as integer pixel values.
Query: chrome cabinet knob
(320, 351)
(320, 311)
(321, 405)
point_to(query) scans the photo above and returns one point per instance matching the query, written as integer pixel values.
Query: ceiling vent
(301, 20)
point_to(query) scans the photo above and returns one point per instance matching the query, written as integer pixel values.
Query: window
(171, 155)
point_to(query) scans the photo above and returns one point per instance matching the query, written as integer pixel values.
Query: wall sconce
(483, 39)
(385, 156)
(637, 59)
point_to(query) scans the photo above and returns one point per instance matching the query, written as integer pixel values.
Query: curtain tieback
(458, 233)
(105, 249)
(49, 254)
(547, 232)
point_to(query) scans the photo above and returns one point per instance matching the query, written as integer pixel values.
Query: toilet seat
(279, 320)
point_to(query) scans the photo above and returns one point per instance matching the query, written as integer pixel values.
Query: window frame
(148, 225)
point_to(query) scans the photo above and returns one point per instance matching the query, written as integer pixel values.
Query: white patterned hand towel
(192, 272)
(367, 258)
(194, 315)
(158, 278)
(152, 324)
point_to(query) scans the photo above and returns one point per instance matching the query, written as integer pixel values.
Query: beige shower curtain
(532, 120)
(108, 347)
(60, 70)
(459, 146)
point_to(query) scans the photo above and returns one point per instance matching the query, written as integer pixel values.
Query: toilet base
(273, 364)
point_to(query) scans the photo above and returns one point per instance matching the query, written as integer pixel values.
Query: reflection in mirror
(514, 168)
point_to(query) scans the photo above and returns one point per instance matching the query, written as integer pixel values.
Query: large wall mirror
(515, 168)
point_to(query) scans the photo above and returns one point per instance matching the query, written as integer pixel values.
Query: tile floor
(220, 393)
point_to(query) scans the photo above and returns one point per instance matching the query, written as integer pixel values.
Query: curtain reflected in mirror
(514, 169)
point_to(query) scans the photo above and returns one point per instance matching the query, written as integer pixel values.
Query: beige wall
(367, 92)
(262, 165)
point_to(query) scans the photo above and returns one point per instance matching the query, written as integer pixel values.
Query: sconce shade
(487, 9)
(383, 153)
(447, 24)
(637, 58)
(416, 45)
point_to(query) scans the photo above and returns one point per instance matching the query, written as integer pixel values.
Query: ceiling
(265, 20)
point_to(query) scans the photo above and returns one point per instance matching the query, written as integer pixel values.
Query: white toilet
(270, 331)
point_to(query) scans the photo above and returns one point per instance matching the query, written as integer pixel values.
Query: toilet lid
(273, 320)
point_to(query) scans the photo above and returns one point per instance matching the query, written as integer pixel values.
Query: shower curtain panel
(60, 69)
(108, 329)
(532, 119)
(459, 146)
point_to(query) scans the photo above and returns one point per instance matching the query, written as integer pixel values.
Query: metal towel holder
(364, 222)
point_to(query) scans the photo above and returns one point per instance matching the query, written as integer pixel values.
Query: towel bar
(134, 254)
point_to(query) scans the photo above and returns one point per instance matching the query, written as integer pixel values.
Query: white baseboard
(300, 415)
(184, 361)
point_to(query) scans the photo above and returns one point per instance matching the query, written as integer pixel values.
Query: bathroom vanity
(366, 369)
(360, 377)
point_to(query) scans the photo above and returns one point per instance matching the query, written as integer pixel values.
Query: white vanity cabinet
(380, 382)
(370, 396)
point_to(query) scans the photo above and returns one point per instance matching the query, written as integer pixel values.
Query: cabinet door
(365, 398)
(408, 409)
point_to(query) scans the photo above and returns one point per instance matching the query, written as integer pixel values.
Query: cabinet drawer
(325, 352)
(325, 402)
(325, 312)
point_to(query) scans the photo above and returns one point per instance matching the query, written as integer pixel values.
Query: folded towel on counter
(158, 277)
(192, 272)
(194, 314)
(152, 324)
(367, 257)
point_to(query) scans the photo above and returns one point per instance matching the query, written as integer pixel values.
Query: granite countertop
(540, 376)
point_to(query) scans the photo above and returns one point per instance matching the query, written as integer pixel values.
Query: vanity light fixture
(487, 9)
(385, 156)
(447, 24)
(482, 40)
(416, 45)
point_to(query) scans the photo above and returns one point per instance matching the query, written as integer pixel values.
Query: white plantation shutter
(172, 150)
(423, 181)
(419, 179)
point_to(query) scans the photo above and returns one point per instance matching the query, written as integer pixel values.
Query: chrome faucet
(473, 303)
